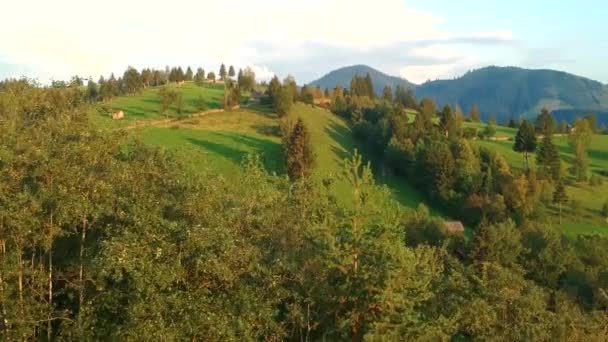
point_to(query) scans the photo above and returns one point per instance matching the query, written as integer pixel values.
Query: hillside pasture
(145, 106)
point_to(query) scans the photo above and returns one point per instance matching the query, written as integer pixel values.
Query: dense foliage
(104, 238)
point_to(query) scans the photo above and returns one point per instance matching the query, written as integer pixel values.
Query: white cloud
(65, 37)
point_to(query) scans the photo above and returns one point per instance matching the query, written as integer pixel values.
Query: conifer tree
(223, 72)
(189, 74)
(387, 93)
(545, 123)
(560, 197)
(525, 141)
(231, 72)
(474, 114)
(547, 159)
(299, 155)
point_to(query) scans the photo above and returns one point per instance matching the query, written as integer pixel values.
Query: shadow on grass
(265, 110)
(343, 136)
(269, 151)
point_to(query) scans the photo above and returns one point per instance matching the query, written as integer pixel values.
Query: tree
(132, 81)
(490, 130)
(405, 97)
(180, 75)
(283, 101)
(387, 93)
(544, 123)
(274, 88)
(474, 114)
(560, 197)
(231, 72)
(199, 77)
(92, 91)
(579, 140)
(211, 76)
(592, 119)
(167, 98)
(525, 141)
(512, 123)
(299, 155)
(189, 74)
(223, 72)
(547, 159)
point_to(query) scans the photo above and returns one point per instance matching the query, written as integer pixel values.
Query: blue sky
(415, 39)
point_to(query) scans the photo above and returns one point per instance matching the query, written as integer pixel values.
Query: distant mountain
(510, 91)
(500, 91)
(343, 76)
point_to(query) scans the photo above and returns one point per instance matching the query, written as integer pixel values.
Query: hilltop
(343, 76)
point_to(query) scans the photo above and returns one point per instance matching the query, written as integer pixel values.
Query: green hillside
(221, 140)
(146, 105)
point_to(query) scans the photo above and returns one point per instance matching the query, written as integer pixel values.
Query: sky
(416, 39)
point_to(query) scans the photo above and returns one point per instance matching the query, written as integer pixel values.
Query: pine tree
(223, 72)
(545, 123)
(299, 154)
(189, 74)
(547, 159)
(560, 197)
(474, 114)
(231, 72)
(387, 93)
(180, 75)
(525, 141)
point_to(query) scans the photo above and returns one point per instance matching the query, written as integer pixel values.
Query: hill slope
(510, 91)
(343, 76)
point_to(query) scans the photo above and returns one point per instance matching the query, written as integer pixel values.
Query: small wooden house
(454, 227)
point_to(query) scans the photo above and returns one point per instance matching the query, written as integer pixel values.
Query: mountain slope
(510, 91)
(500, 91)
(343, 76)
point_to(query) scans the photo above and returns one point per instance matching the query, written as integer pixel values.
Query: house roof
(454, 227)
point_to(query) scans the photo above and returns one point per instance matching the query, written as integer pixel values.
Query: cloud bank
(57, 39)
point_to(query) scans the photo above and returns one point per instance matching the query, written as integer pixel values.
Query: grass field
(146, 105)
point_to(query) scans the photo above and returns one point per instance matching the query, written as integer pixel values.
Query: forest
(105, 237)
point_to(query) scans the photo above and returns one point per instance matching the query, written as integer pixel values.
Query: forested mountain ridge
(503, 92)
(343, 76)
(511, 91)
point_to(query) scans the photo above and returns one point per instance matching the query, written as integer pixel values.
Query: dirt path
(155, 123)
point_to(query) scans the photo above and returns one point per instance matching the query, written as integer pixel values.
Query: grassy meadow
(146, 105)
(220, 141)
